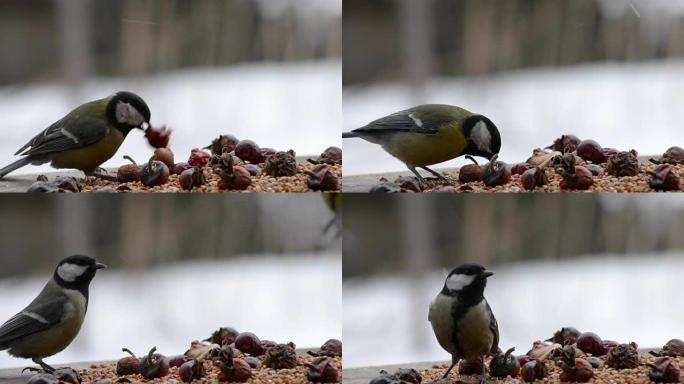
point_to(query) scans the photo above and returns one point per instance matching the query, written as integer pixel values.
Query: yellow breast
(88, 158)
(420, 149)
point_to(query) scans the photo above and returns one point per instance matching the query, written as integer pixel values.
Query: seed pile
(569, 164)
(227, 164)
(226, 356)
(568, 356)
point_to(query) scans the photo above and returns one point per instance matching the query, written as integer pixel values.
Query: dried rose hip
(533, 370)
(282, 356)
(623, 164)
(664, 370)
(591, 343)
(581, 179)
(224, 336)
(664, 178)
(496, 173)
(331, 155)
(470, 173)
(191, 178)
(67, 375)
(534, 177)
(407, 183)
(154, 365)
(223, 143)
(520, 168)
(247, 342)
(565, 336)
(199, 158)
(281, 164)
(154, 173)
(323, 370)
(504, 364)
(191, 370)
(624, 356)
(239, 372)
(323, 178)
(590, 150)
(178, 360)
(165, 156)
(178, 168)
(565, 143)
(158, 137)
(579, 372)
(128, 173)
(248, 150)
(129, 365)
(470, 366)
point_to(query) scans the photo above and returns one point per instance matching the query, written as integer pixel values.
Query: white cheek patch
(456, 282)
(70, 272)
(127, 114)
(481, 137)
(416, 120)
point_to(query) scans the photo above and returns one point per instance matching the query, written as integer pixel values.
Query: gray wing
(403, 121)
(61, 136)
(494, 327)
(44, 312)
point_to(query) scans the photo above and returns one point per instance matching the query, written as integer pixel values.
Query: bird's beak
(486, 274)
(100, 266)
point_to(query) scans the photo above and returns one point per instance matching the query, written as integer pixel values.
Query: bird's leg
(46, 368)
(103, 176)
(421, 181)
(437, 174)
(454, 360)
(483, 378)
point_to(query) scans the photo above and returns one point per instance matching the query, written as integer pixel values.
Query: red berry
(178, 168)
(247, 150)
(158, 137)
(591, 343)
(520, 168)
(247, 342)
(199, 158)
(590, 150)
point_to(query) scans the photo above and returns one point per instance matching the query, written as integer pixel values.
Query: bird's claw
(36, 370)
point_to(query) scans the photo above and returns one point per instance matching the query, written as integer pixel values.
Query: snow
(620, 105)
(283, 106)
(278, 297)
(620, 298)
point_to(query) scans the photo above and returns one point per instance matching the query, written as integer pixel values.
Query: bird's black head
(467, 282)
(127, 111)
(482, 136)
(76, 272)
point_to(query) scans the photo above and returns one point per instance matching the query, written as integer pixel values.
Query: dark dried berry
(331, 155)
(281, 164)
(579, 372)
(129, 365)
(323, 370)
(67, 375)
(178, 168)
(565, 143)
(664, 178)
(533, 178)
(199, 158)
(268, 152)
(504, 364)
(565, 336)
(158, 137)
(266, 344)
(591, 343)
(165, 156)
(581, 179)
(524, 359)
(520, 168)
(178, 360)
(594, 361)
(191, 370)
(282, 356)
(247, 342)
(331, 348)
(624, 356)
(384, 186)
(623, 164)
(664, 370)
(407, 183)
(383, 378)
(238, 372)
(496, 173)
(470, 173)
(253, 361)
(590, 150)
(533, 370)
(43, 187)
(595, 169)
(154, 365)
(67, 184)
(253, 169)
(470, 366)
(128, 173)
(233, 177)
(43, 378)
(673, 155)
(224, 336)
(223, 143)
(408, 375)
(323, 178)
(191, 178)
(154, 173)
(674, 348)
(247, 150)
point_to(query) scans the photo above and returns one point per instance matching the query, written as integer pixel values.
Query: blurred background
(609, 70)
(605, 264)
(264, 70)
(179, 268)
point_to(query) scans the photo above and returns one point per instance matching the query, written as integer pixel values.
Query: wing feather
(44, 312)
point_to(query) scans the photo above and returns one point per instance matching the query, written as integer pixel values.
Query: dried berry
(407, 183)
(165, 156)
(533, 370)
(673, 155)
(580, 179)
(595, 169)
(67, 375)
(664, 370)
(238, 372)
(233, 177)
(253, 169)
(248, 150)
(199, 158)
(674, 348)
(579, 371)
(408, 375)
(524, 359)
(43, 187)
(591, 343)
(178, 360)
(224, 336)
(520, 168)
(154, 173)
(267, 152)
(223, 143)
(470, 173)
(565, 336)
(129, 365)
(190, 178)
(611, 344)
(282, 356)
(323, 178)
(470, 366)
(322, 370)
(331, 348)
(565, 143)
(266, 344)
(128, 173)
(178, 168)
(191, 370)
(623, 164)
(43, 378)
(331, 155)
(534, 177)
(624, 356)
(384, 186)
(154, 365)
(383, 378)
(664, 178)
(504, 364)
(281, 164)
(496, 173)
(590, 150)
(67, 184)
(594, 361)
(253, 361)
(248, 342)
(158, 137)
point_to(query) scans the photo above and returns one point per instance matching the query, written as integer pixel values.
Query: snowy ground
(622, 299)
(282, 106)
(283, 298)
(620, 105)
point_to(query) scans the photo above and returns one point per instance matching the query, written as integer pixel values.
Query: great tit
(87, 136)
(461, 318)
(430, 134)
(52, 320)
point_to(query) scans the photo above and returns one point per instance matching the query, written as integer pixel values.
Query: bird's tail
(346, 135)
(16, 165)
